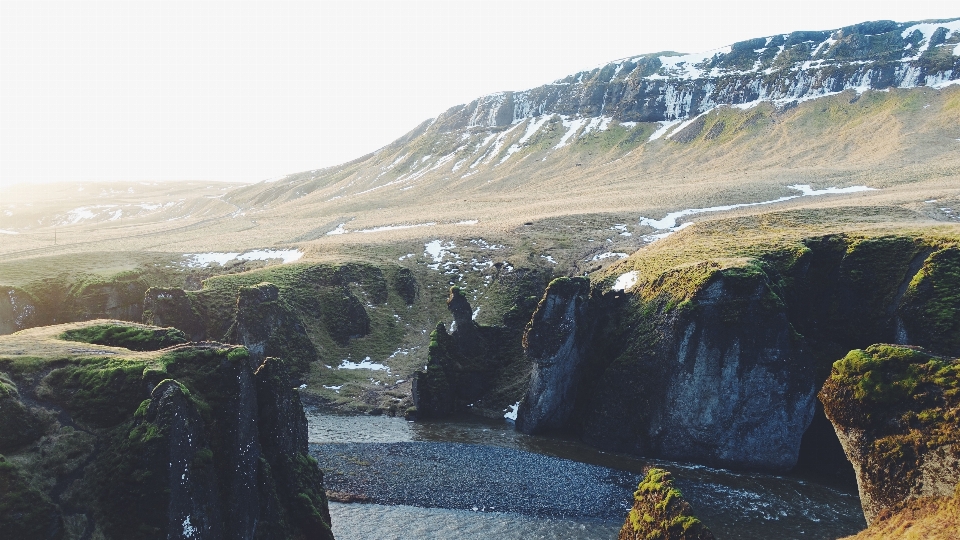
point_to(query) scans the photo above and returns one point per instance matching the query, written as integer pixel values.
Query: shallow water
(732, 504)
(379, 522)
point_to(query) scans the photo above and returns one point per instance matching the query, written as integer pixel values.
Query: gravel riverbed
(475, 477)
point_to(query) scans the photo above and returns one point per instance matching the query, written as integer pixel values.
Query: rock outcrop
(659, 511)
(267, 327)
(474, 368)
(185, 442)
(719, 362)
(170, 306)
(556, 342)
(17, 310)
(895, 410)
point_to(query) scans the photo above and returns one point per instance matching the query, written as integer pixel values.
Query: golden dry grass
(903, 142)
(931, 518)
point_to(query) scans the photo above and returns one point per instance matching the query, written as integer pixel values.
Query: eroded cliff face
(895, 411)
(715, 377)
(186, 442)
(783, 69)
(474, 368)
(555, 341)
(719, 362)
(266, 326)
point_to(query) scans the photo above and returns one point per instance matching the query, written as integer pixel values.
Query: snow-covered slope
(784, 68)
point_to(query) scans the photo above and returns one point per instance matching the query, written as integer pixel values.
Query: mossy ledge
(660, 513)
(896, 410)
(188, 441)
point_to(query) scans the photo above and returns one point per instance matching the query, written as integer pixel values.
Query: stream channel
(471, 478)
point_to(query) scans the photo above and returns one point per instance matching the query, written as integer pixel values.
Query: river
(732, 504)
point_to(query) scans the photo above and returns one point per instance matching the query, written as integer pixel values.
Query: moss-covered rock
(895, 410)
(659, 512)
(133, 337)
(266, 326)
(25, 512)
(188, 441)
(18, 425)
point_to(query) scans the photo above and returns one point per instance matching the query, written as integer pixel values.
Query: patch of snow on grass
(572, 127)
(625, 281)
(287, 255)
(533, 127)
(334, 388)
(686, 123)
(670, 220)
(549, 258)
(467, 222)
(664, 128)
(510, 414)
(338, 230)
(2, 231)
(203, 259)
(363, 364)
(608, 255)
(438, 249)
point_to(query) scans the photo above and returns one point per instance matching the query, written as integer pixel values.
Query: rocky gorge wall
(190, 442)
(719, 362)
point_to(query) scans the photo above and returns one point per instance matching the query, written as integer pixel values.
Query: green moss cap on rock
(660, 513)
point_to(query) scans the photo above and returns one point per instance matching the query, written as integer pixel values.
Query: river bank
(432, 474)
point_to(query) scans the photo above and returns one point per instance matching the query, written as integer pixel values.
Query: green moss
(25, 512)
(659, 511)
(99, 391)
(135, 338)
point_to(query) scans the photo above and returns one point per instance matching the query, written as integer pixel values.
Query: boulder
(895, 411)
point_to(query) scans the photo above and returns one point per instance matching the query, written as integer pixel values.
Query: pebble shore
(474, 477)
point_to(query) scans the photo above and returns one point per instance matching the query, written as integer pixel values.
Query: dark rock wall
(722, 365)
(266, 326)
(555, 341)
(473, 369)
(214, 449)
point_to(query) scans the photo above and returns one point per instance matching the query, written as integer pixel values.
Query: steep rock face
(714, 378)
(659, 511)
(783, 68)
(192, 511)
(267, 327)
(895, 411)
(555, 340)
(719, 362)
(118, 298)
(170, 306)
(466, 368)
(17, 310)
(215, 450)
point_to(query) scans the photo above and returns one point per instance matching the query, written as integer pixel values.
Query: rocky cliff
(720, 361)
(183, 442)
(895, 411)
(473, 368)
(782, 68)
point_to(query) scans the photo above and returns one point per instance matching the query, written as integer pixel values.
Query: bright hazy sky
(248, 91)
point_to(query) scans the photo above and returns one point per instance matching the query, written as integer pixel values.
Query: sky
(249, 91)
